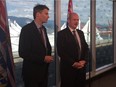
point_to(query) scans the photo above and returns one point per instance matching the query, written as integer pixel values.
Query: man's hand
(48, 59)
(82, 62)
(79, 64)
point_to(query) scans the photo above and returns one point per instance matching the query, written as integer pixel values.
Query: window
(104, 43)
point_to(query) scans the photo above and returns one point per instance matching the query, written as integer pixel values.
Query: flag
(70, 7)
(70, 10)
(7, 78)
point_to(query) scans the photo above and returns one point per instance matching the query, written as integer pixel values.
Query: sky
(24, 8)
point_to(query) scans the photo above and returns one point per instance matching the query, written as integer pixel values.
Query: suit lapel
(37, 32)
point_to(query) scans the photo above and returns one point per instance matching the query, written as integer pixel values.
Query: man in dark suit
(73, 53)
(35, 49)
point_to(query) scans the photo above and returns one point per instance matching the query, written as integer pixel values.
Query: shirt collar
(37, 25)
(72, 29)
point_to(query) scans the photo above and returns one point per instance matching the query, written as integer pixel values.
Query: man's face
(44, 15)
(73, 21)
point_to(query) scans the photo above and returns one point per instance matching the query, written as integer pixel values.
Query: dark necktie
(77, 42)
(42, 35)
(74, 33)
(77, 38)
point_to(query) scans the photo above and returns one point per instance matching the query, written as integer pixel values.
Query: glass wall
(20, 12)
(104, 43)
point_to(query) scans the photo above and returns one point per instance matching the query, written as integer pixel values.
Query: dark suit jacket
(33, 51)
(68, 52)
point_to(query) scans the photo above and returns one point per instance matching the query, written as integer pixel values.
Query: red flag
(7, 78)
(70, 7)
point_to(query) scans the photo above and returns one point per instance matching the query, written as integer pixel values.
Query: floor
(107, 79)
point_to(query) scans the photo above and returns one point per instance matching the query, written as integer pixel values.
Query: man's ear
(68, 20)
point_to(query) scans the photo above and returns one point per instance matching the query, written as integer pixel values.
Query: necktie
(42, 35)
(77, 38)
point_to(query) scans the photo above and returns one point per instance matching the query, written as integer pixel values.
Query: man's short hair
(70, 15)
(39, 8)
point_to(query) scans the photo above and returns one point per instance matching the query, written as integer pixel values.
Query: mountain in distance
(49, 25)
(20, 20)
(23, 21)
